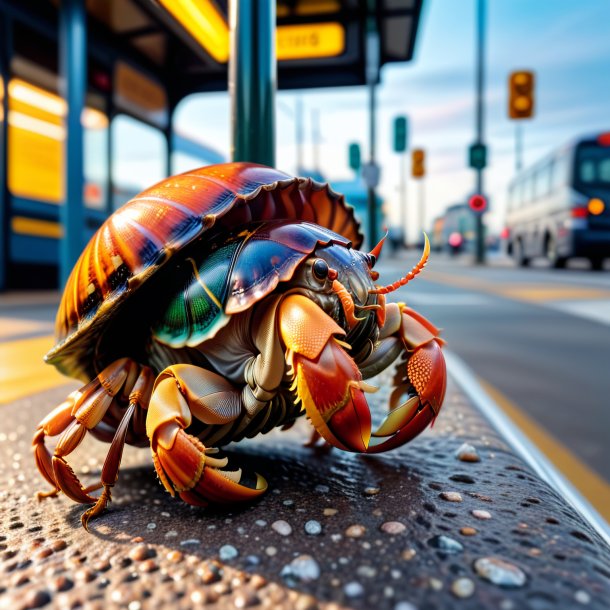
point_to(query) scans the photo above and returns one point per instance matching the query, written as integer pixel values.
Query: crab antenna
(401, 282)
(376, 251)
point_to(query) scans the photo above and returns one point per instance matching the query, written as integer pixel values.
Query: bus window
(139, 157)
(542, 181)
(593, 165)
(561, 171)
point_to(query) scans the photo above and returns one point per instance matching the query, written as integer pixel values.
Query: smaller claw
(398, 418)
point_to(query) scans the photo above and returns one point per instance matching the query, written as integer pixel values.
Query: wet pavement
(435, 524)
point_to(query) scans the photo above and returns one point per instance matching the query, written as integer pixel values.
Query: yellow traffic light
(418, 167)
(521, 95)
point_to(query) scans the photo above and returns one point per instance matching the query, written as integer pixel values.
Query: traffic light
(478, 203)
(418, 167)
(354, 156)
(400, 134)
(521, 95)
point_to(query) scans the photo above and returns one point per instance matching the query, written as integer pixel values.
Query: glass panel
(594, 165)
(139, 158)
(96, 165)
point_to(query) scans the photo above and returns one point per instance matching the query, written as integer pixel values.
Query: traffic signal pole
(252, 80)
(480, 86)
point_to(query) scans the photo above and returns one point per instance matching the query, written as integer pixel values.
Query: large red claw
(331, 390)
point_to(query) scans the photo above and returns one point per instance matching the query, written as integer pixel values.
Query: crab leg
(82, 411)
(184, 465)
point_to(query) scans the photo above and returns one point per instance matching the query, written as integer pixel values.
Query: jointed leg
(184, 465)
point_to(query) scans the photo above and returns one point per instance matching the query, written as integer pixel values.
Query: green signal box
(477, 156)
(354, 156)
(400, 134)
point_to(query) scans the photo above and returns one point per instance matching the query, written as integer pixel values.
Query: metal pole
(518, 146)
(372, 73)
(480, 245)
(403, 198)
(73, 70)
(252, 80)
(422, 208)
(5, 54)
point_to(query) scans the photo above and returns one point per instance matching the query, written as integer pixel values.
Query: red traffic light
(477, 203)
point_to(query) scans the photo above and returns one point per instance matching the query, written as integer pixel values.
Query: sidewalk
(413, 528)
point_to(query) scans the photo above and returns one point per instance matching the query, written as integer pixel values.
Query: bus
(458, 229)
(559, 208)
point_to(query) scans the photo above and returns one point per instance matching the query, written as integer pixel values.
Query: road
(539, 340)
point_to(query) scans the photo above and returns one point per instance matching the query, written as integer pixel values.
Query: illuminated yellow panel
(202, 20)
(33, 226)
(35, 159)
(318, 7)
(309, 41)
(596, 206)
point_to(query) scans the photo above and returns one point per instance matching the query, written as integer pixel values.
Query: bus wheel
(557, 262)
(597, 263)
(519, 254)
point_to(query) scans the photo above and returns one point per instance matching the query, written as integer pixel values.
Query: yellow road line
(23, 371)
(593, 487)
(520, 291)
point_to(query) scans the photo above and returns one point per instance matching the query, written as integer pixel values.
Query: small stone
(393, 527)
(306, 602)
(271, 551)
(462, 587)
(435, 584)
(283, 528)
(175, 556)
(329, 512)
(323, 489)
(467, 453)
(371, 491)
(227, 552)
(468, 531)
(148, 565)
(366, 571)
(245, 599)
(260, 522)
(85, 575)
(355, 531)
(353, 589)
(481, 514)
(62, 583)
(190, 542)
(408, 554)
(500, 572)
(210, 573)
(36, 599)
(257, 581)
(446, 545)
(450, 496)
(59, 545)
(303, 568)
(405, 606)
(151, 526)
(313, 528)
(582, 597)
(141, 552)
(42, 553)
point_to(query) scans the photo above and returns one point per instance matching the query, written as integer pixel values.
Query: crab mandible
(217, 305)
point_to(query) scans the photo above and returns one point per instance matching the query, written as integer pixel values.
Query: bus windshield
(593, 165)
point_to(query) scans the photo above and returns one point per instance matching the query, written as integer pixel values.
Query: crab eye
(320, 269)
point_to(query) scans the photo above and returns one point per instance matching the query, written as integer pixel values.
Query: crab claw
(327, 380)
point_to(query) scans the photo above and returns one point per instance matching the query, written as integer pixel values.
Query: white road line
(593, 309)
(448, 299)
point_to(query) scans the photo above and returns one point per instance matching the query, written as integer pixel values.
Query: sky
(565, 43)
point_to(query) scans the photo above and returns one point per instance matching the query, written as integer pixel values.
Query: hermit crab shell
(148, 233)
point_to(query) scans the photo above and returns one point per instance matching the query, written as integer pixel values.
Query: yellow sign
(310, 41)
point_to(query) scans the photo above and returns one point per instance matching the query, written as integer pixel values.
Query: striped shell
(144, 235)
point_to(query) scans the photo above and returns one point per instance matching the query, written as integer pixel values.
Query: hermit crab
(217, 305)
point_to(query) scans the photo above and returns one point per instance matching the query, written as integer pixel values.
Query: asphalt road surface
(539, 340)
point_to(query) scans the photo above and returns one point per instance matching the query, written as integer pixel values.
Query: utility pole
(372, 74)
(252, 80)
(480, 92)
